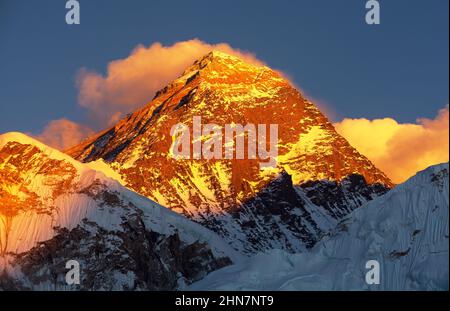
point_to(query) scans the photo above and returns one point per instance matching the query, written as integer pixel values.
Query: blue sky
(398, 69)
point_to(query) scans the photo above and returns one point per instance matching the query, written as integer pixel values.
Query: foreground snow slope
(54, 209)
(406, 231)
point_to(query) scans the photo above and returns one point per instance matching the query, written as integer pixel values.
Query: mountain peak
(17, 137)
(223, 90)
(23, 139)
(11, 140)
(221, 55)
(216, 55)
(223, 194)
(218, 62)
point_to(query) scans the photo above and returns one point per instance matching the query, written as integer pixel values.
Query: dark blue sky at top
(398, 69)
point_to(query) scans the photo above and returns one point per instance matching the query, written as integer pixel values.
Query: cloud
(131, 82)
(400, 149)
(62, 134)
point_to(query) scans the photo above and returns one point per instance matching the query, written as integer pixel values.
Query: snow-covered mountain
(319, 178)
(406, 231)
(54, 209)
(302, 219)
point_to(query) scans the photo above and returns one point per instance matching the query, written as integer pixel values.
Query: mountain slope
(222, 194)
(406, 231)
(54, 209)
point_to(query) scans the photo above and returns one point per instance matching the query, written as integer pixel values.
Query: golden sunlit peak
(24, 139)
(223, 56)
(216, 55)
(17, 137)
(235, 60)
(220, 54)
(28, 140)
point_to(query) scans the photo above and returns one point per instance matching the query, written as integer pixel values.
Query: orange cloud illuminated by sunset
(400, 149)
(63, 133)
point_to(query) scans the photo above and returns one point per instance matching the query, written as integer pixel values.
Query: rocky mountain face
(405, 231)
(318, 179)
(54, 209)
